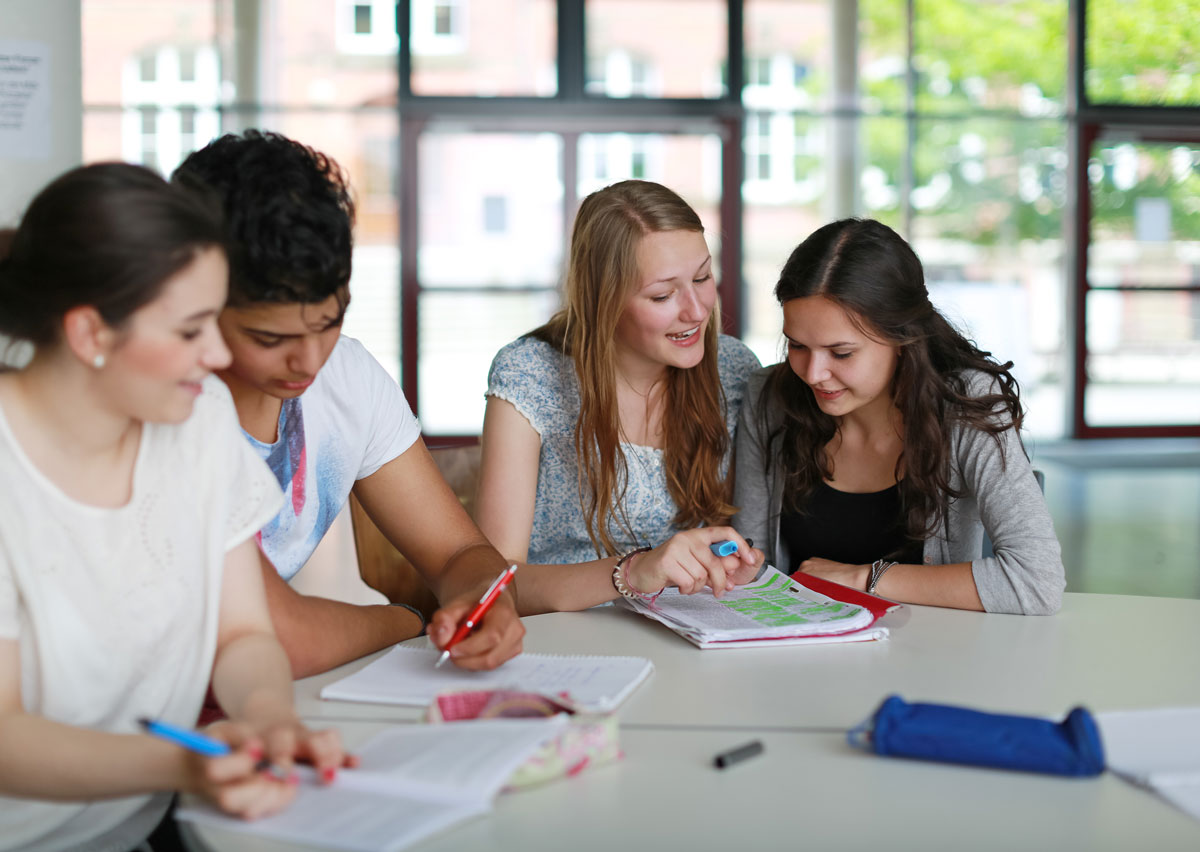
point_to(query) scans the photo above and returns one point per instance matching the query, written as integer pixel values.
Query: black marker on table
(737, 755)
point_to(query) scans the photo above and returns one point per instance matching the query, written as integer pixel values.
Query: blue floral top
(540, 383)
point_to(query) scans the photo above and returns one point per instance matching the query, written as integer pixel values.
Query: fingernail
(328, 774)
(293, 779)
(256, 752)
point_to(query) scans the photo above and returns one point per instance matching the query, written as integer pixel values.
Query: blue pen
(190, 740)
(199, 743)
(726, 547)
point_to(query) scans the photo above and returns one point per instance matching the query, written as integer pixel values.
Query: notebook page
(452, 762)
(407, 676)
(341, 817)
(771, 606)
(413, 781)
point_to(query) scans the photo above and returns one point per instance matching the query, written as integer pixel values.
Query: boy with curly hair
(326, 416)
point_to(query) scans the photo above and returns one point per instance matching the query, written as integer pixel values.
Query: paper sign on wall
(24, 99)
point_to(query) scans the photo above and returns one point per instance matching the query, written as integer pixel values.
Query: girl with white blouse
(128, 567)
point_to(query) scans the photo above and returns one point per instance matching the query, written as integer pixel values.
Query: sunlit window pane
(460, 334)
(787, 48)
(1004, 54)
(656, 48)
(1143, 317)
(882, 52)
(465, 174)
(484, 47)
(1145, 224)
(988, 205)
(1143, 358)
(1142, 52)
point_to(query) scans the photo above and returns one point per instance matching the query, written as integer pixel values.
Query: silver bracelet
(878, 569)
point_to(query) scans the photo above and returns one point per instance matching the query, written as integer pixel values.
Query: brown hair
(108, 235)
(602, 272)
(871, 272)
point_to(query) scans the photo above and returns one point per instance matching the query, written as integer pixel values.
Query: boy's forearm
(319, 634)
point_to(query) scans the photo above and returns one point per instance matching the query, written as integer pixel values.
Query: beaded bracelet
(623, 587)
(878, 569)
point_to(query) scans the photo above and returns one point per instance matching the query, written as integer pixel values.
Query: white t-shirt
(115, 610)
(350, 422)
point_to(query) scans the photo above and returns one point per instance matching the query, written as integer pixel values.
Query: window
(169, 98)
(362, 19)
(622, 75)
(366, 28)
(187, 65)
(495, 214)
(439, 27)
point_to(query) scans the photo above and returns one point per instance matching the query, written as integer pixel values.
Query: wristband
(623, 587)
(415, 612)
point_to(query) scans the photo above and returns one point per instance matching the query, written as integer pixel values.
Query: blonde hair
(602, 273)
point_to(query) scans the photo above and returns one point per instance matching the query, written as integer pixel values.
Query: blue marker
(724, 548)
(727, 547)
(190, 740)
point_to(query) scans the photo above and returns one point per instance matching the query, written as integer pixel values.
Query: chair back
(382, 566)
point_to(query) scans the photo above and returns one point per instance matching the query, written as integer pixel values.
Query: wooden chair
(381, 565)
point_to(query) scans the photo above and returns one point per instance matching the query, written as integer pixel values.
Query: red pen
(481, 608)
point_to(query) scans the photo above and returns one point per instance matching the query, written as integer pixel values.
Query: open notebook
(414, 781)
(406, 676)
(772, 610)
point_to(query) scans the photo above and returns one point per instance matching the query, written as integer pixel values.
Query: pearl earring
(98, 362)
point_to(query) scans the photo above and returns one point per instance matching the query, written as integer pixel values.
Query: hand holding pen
(229, 767)
(477, 613)
(692, 560)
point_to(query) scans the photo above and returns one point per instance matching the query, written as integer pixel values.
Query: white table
(1107, 652)
(809, 789)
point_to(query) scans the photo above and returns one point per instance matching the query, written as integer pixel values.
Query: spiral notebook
(406, 676)
(773, 610)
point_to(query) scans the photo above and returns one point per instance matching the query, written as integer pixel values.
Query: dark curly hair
(108, 235)
(288, 216)
(871, 272)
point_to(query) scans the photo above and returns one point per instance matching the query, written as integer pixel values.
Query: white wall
(56, 25)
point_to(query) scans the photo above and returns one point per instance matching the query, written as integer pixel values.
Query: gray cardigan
(1000, 494)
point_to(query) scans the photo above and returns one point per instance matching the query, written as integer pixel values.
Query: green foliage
(1145, 52)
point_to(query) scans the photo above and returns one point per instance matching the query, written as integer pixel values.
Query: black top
(855, 529)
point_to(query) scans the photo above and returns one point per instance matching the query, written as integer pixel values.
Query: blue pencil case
(959, 735)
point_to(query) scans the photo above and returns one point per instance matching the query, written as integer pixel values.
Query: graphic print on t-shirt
(309, 482)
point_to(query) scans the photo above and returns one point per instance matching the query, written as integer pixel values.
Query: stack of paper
(414, 781)
(407, 676)
(1157, 749)
(772, 610)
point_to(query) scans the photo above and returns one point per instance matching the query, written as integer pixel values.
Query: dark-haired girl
(886, 445)
(128, 568)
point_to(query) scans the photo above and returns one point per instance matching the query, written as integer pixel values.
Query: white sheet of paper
(407, 676)
(1158, 749)
(24, 99)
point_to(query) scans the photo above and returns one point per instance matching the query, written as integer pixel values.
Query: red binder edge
(878, 606)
